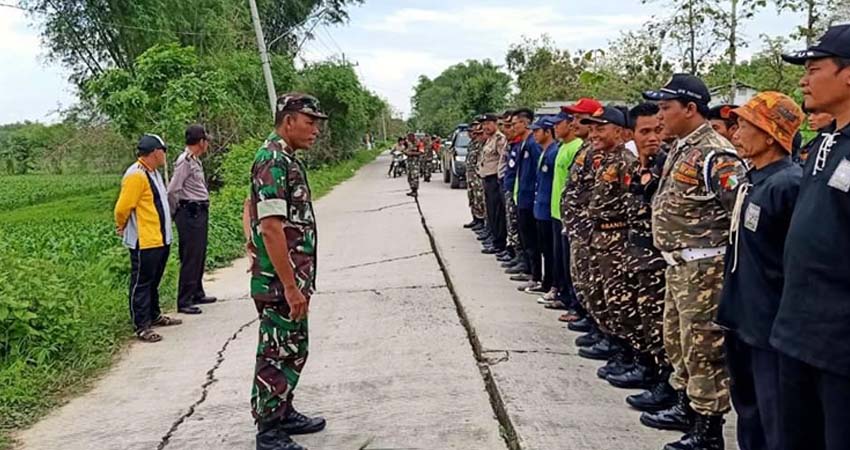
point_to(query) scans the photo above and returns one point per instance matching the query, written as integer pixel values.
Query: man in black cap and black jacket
(812, 327)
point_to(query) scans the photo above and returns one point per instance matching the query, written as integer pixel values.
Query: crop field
(64, 277)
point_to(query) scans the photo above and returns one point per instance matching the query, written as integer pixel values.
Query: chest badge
(752, 216)
(840, 179)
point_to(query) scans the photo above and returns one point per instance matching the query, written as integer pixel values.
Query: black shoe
(517, 270)
(619, 364)
(678, 417)
(639, 377)
(470, 224)
(274, 438)
(296, 423)
(583, 325)
(600, 351)
(658, 397)
(411, 194)
(490, 250)
(707, 434)
(521, 277)
(512, 262)
(587, 340)
(484, 237)
(205, 300)
(504, 257)
(189, 310)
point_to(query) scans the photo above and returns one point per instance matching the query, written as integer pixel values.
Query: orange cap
(774, 113)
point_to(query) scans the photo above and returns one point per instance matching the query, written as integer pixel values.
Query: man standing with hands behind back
(189, 198)
(283, 270)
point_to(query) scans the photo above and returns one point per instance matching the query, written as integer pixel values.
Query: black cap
(607, 114)
(487, 118)
(303, 103)
(682, 86)
(721, 112)
(150, 142)
(834, 43)
(196, 133)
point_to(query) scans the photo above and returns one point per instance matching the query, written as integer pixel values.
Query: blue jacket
(545, 177)
(527, 173)
(510, 171)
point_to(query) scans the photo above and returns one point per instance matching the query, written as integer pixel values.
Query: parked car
(454, 159)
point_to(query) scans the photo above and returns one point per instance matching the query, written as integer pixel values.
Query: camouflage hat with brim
(774, 113)
(303, 103)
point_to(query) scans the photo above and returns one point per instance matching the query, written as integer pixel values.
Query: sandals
(568, 317)
(557, 304)
(148, 335)
(165, 321)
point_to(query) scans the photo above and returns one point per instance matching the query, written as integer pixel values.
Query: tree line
(702, 37)
(158, 65)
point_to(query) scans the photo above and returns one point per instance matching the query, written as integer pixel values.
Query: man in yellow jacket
(143, 219)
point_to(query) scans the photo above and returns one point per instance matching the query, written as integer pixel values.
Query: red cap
(583, 106)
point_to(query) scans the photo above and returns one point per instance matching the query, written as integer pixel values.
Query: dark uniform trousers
(544, 237)
(754, 387)
(192, 219)
(495, 206)
(529, 241)
(561, 261)
(146, 269)
(814, 407)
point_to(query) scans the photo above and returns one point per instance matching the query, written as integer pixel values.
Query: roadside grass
(63, 285)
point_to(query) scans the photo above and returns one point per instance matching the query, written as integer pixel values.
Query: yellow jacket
(142, 208)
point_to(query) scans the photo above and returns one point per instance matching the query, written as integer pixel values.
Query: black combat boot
(473, 224)
(601, 351)
(582, 325)
(658, 397)
(620, 363)
(642, 375)
(707, 434)
(678, 417)
(586, 340)
(296, 423)
(270, 436)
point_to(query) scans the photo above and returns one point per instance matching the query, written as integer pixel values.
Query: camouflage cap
(774, 113)
(303, 103)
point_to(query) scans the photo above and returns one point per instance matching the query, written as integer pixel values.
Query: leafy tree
(281, 19)
(729, 15)
(544, 72)
(819, 15)
(461, 91)
(691, 26)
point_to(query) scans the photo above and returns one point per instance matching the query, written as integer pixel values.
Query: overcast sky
(392, 41)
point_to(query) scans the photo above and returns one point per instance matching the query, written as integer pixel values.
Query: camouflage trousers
(650, 288)
(413, 174)
(425, 167)
(281, 354)
(694, 343)
(587, 290)
(615, 310)
(512, 222)
(475, 193)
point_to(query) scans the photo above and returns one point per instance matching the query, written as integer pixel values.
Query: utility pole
(384, 123)
(733, 52)
(264, 55)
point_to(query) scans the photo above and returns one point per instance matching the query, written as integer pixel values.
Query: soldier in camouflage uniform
(508, 166)
(283, 270)
(607, 210)
(426, 159)
(645, 268)
(690, 225)
(474, 186)
(574, 202)
(413, 165)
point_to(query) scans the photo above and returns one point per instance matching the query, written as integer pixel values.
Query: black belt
(194, 204)
(610, 226)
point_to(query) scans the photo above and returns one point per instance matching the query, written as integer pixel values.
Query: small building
(742, 93)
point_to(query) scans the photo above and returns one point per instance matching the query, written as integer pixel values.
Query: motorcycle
(398, 166)
(436, 163)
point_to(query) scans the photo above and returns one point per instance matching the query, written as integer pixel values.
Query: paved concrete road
(399, 359)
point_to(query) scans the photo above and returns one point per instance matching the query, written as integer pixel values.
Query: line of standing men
(143, 216)
(713, 275)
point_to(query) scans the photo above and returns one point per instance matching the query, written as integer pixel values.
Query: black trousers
(813, 405)
(146, 269)
(528, 237)
(192, 227)
(494, 202)
(547, 251)
(754, 388)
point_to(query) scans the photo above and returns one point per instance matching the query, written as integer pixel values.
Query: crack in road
(506, 355)
(508, 431)
(379, 291)
(382, 208)
(382, 261)
(210, 380)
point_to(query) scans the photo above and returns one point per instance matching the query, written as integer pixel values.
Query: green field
(64, 272)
